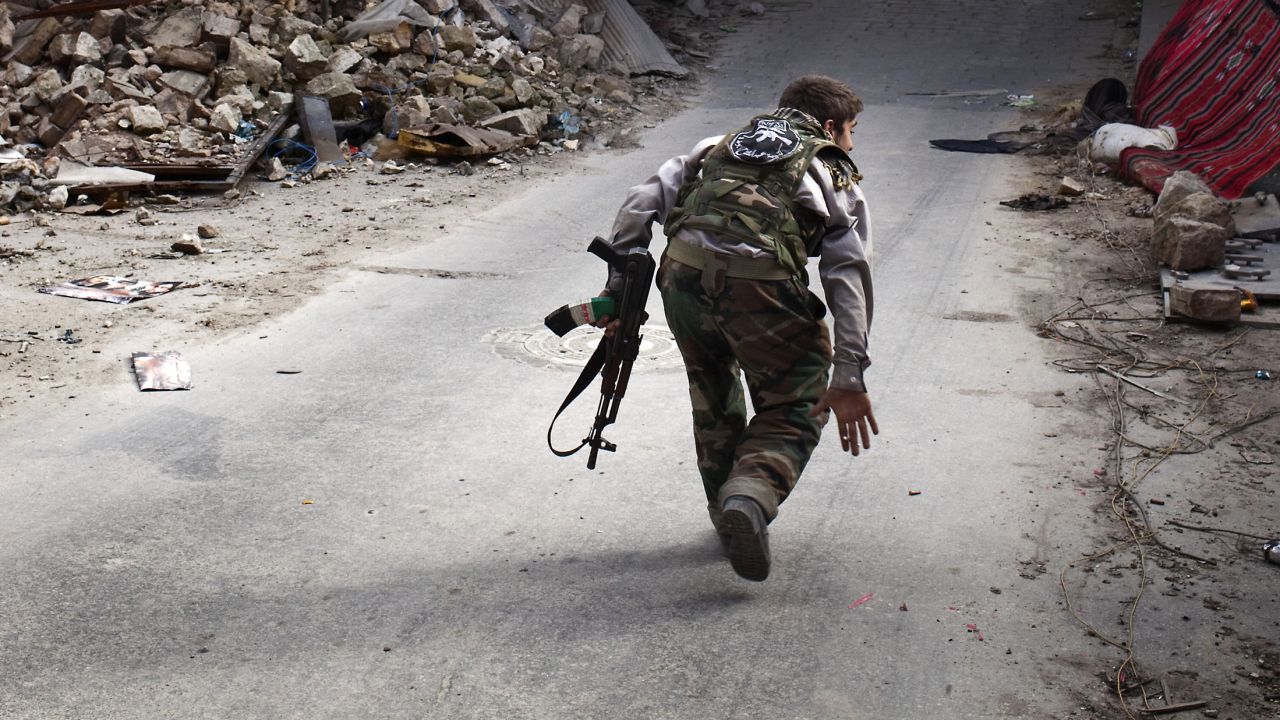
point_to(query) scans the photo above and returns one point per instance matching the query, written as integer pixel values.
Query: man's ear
(829, 126)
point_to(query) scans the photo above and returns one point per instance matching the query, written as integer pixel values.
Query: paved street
(386, 535)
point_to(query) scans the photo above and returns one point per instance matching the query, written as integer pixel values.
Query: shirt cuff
(848, 376)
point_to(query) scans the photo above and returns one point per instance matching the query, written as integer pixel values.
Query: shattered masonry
(133, 82)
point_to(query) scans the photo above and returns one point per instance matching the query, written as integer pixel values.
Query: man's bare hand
(853, 415)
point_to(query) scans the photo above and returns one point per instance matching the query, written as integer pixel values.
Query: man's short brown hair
(823, 97)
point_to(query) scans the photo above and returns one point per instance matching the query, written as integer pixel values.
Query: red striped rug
(1214, 74)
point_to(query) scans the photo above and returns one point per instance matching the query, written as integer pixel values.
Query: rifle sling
(589, 373)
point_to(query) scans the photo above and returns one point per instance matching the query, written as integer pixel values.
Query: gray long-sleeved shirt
(844, 267)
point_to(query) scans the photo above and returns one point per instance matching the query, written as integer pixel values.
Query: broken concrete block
(254, 62)
(185, 58)
(219, 29)
(178, 29)
(290, 27)
(487, 10)
(75, 49)
(581, 51)
(1186, 244)
(1071, 187)
(48, 133)
(188, 245)
(7, 29)
(28, 49)
(275, 170)
(338, 89)
(47, 84)
(570, 22)
(593, 23)
(304, 58)
(86, 79)
(191, 84)
(425, 45)
(462, 39)
(1201, 206)
(1205, 304)
(1179, 185)
(393, 42)
(493, 88)
(190, 142)
(170, 102)
(477, 108)
(68, 109)
(344, 59)
(518, 122)
(145, 119)
(226, 118)
(110, 24)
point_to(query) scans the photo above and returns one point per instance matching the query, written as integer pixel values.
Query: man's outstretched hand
(853, 415)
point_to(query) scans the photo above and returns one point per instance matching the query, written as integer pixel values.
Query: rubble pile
(191, 81)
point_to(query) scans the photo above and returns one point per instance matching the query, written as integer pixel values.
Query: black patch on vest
(767, 141)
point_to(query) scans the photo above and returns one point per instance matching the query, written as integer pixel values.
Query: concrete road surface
(385, 535)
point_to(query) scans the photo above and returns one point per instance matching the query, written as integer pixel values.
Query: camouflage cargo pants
(772, 332)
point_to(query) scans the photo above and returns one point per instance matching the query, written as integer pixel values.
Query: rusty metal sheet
(460, 141)
(83, 7)
(629, 39)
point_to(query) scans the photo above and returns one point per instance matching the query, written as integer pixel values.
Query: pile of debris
(195, 82)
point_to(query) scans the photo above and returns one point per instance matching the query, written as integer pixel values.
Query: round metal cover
(540, 347)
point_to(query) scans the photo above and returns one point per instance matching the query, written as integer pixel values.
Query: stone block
(305, 59)
(1202, 206)
(87, 78)
(1207, 305)
(49, 133)
(344, 59)
(219, 29)
(581, 51)
(29, 48)
(393, 42)
(178, 29)
(191, 84)
(462, 39)
(487, 10)
(185, 58)
(339, 89)
(570, 22)
(110, 24)
(68, 109)
(145, 120)
(477, 108)
(290, 27)
(1177, 186)
(1186, 244)
(254, 62)
(519, 122)
(47, 84)
(226, 118)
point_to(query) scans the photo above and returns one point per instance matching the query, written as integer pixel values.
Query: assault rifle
(616, 353)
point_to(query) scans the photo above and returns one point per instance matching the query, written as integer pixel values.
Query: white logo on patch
(767, 142)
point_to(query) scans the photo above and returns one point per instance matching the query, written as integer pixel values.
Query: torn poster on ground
(112, 289)
(162, 371)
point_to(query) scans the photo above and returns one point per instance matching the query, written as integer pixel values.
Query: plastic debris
(973, 628)
(1262, 375)
(862, 600)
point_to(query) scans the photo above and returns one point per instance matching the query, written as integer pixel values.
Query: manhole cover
(540, 347)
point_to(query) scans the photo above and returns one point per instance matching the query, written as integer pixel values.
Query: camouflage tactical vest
(746, 190)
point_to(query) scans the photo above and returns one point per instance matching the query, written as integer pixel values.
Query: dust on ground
(274, 248)
(1173, 587)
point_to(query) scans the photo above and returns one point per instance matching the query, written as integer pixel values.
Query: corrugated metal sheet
(629, 39)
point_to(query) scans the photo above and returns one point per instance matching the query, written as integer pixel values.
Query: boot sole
(748, 545)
